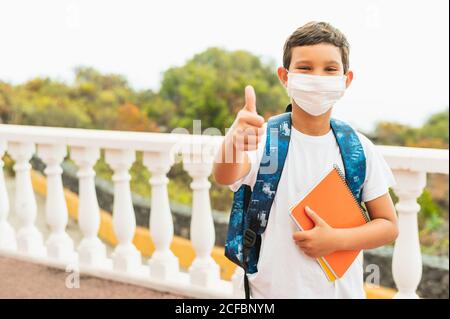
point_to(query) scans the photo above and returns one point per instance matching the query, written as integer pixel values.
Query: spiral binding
(341, 174)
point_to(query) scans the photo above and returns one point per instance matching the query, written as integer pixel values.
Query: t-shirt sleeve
(379, 175)
(255, 157)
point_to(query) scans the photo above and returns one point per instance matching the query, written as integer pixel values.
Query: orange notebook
(334, 202)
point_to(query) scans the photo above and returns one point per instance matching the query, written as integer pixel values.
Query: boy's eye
(331, 70)
(303, 68)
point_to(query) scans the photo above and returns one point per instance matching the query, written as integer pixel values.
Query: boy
(315, 58)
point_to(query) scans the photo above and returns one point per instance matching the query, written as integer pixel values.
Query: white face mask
(315, 94)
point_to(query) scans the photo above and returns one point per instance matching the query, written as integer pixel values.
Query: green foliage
(436, 129)
(430, 215)
(210, 87)
(432, 233)
(434, 133)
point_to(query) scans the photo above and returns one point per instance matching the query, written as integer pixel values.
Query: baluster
(7, 234)
(59, 244)
(91, 251)
(204, 271)
(29, 239)
(163, 263)
(407, 258)
(126, 257)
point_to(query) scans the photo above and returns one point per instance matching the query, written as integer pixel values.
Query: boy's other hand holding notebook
(319, 241)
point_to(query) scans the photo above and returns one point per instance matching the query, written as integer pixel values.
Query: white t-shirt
(284, 271)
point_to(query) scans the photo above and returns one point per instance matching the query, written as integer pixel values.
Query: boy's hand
(247, 128)
(319, 241)
(232, 162)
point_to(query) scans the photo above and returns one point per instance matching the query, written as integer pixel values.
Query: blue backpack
(250, 209)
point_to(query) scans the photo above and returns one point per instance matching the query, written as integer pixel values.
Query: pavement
(19, 279)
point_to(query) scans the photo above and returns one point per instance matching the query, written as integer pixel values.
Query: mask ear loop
(286, 87)
(287, 78)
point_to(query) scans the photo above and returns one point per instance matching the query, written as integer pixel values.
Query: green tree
(434, 132)
(210, 87)
(5, 102)
(160, 110)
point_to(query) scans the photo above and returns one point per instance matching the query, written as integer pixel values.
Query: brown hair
(315, 33)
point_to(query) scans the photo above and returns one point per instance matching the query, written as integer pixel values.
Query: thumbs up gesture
(247, 128)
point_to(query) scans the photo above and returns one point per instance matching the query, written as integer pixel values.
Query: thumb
(314, 217)
(250, 99)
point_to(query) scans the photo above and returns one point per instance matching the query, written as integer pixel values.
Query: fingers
(244, 145)
(247, 137)
(314, 217)
(306, 247)
(246, 117)
(246, 129)
(250, 99)
(311, 253)
(247, 141)
(301, 236)
(302, 240)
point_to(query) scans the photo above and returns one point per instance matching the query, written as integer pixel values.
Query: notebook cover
(333, 201)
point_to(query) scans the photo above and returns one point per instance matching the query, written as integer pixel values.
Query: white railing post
(91, 251)
(204, 271)
(407, 258)
(59, 244)
(126, 257)
(163, 263)
(29, 239)
(7, 234)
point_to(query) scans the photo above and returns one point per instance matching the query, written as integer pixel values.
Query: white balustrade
(126, 257)
(204, 270)
(29, 239)
(91, 251)
(7, 234)
(163, 263)
(59, 244)
(407, 258)
(410, 166)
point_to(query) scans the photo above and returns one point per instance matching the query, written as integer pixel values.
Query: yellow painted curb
(180, 246)
(378, 292)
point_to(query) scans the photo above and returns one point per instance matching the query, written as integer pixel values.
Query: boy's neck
(309, 124)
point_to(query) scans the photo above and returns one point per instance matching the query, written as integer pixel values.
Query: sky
(399, 49)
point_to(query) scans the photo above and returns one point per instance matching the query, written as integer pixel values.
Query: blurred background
(152, 66)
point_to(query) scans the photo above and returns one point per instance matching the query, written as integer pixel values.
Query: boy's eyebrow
(302, 61)
(332, 62)
(308, 61)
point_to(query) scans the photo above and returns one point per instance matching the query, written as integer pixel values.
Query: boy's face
(322, 59)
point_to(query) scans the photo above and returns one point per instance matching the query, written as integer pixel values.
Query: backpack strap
(269, 174)
(352, 154)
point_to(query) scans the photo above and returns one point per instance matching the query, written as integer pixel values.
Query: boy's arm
(381, 230)
(231, 162)
(323, 239)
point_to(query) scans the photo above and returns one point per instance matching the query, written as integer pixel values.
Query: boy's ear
(349, 79)
(282, 75)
